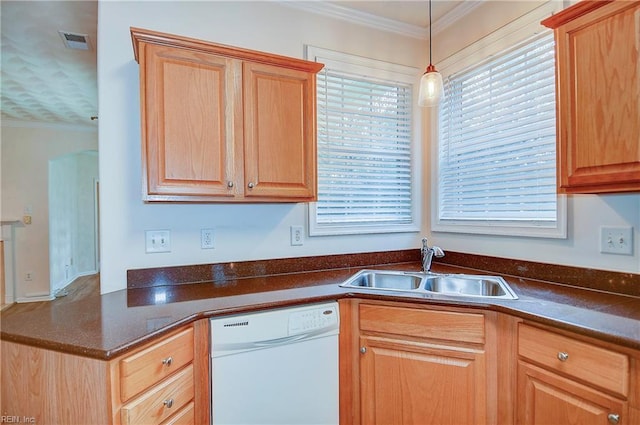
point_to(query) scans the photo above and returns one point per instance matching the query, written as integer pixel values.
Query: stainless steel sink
(383, 279)
(470, 285)
(432, 283)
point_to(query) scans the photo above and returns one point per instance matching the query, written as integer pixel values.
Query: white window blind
(365, 161)
(496, 159)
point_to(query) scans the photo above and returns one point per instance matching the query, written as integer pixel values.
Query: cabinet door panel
(413, 383)
(598, 86)
(547, 399)
(188, 120)
(279, 110)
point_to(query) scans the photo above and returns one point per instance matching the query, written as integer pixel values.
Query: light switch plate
(616, 240)
(158, 241)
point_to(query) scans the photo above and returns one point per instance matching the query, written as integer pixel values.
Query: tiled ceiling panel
(41, 79)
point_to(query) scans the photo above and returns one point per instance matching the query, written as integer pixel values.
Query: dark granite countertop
(106, 326)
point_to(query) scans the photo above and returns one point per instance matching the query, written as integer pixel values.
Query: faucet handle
(437, 251)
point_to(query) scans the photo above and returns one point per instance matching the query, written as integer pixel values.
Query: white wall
(243, 232)
(26, 151)
(72, 232)
(248, 232)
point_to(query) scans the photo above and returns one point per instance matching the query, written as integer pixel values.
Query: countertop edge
(329, 290)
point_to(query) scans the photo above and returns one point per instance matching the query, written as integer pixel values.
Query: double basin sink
(432, 283)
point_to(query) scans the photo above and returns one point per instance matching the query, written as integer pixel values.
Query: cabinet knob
(167, 361)
(562, 356)
(168, 402)
(229, 184)
(251, 185)
(363, 350)
(613, 418)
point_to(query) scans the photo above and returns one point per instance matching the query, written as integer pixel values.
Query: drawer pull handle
(168, 402)
(613, 418)
(562, 356)
(167, 361)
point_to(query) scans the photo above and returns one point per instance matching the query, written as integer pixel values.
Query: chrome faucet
(428, 253)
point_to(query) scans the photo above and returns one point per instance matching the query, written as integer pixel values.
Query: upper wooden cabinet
(598, 96)
(223, 124)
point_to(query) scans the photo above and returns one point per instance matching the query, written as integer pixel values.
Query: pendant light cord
(430, 61)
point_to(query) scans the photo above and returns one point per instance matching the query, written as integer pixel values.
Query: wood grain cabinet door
(279, 132)
(598, 77)
(188, 112)
(411, 383)
(545, 398)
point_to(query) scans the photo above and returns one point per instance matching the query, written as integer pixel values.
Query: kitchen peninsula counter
(106, 326)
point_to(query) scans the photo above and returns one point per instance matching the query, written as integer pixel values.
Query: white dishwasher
(276, 367)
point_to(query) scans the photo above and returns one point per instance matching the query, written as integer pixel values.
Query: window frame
(500, 41)
(358, 65)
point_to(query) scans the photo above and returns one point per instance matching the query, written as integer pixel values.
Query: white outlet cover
(157, 241)
(207, 238)
(297, 236)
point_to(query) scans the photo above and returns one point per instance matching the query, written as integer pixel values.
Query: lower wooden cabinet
(404, 382)
(158, 381)
(413, 366)
(546, 398)
(165, 382)
(564, 380)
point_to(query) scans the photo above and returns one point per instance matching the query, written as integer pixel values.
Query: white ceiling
(43, 81)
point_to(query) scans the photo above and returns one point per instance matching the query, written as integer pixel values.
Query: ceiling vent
(75, 41)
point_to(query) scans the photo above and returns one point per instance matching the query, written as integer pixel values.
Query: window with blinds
(365, 165)
(497, 152)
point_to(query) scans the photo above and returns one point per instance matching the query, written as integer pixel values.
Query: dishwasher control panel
(321, 317)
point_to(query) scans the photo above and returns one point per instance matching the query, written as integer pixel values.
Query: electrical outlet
(296, 236)
(158, 241)
(206, 238)
(616, 240)
(28, 276)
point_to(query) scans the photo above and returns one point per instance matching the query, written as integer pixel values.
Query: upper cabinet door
(279, 132)
(188, 117)
(224, 124)
(598, 77)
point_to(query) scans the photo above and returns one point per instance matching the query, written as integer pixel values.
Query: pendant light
(431, 87)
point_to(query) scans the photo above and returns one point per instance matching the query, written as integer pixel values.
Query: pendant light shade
(431, 86)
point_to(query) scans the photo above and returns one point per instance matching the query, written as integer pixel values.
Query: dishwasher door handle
(221, 348)
(280, 341)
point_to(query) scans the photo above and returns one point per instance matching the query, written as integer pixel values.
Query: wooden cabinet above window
(598, 87)
(224, 124)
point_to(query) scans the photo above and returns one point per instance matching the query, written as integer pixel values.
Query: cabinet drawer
(446, 325)
(143, 369)
(161, 401)
(585, 362)
(183, 417)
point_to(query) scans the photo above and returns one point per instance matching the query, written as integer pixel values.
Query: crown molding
(455, 14)
(335, 11)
